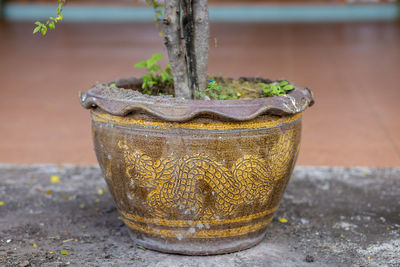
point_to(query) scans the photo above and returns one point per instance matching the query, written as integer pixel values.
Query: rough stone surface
(336, 217)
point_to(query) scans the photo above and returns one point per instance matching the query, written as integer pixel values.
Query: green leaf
(154, 68)
(64, 252)
(164, 76)
(36, 29)
(141, 64)
(51, 25)
(150, 63)
(146, 91)
(43, 30)
(38, 23)
(283, 83)
(288, 87)
(157, 57)
(267, 91)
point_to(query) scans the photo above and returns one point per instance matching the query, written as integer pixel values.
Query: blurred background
(347, 52)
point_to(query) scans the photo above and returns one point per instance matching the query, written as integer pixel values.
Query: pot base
(198, 247)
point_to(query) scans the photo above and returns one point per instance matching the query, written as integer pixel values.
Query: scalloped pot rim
(121, 102)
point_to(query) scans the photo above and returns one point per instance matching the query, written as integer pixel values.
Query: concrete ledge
(244, 13)
(336, 217)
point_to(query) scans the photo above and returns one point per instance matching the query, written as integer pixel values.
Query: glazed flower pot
(193, 176)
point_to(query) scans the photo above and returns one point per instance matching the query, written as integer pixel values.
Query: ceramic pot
(192, 176)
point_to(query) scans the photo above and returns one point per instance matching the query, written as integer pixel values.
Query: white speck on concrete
(304, 221)
(345, 226)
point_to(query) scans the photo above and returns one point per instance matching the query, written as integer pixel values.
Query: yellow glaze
(124, 121)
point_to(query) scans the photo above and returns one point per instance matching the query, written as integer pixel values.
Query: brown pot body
(200, 187)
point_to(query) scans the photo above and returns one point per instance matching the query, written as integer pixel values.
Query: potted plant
(202, 171)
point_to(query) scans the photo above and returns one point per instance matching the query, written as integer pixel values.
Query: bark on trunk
(196, 29)
(201, 41)
(189, 66)
(188, 35)
(173, 42)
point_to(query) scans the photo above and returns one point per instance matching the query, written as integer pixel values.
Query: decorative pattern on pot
(199, 187)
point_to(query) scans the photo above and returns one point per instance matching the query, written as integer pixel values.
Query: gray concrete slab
(336, 217)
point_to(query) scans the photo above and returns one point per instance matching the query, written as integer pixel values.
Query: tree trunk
(173, 42)
(188, 36)
(189, 66)
(201, 41)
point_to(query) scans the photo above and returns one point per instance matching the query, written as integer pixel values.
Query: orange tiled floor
(352, 68)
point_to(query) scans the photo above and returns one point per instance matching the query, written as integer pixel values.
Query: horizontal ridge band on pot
(121, 102)
(188, 223)
(197, 233)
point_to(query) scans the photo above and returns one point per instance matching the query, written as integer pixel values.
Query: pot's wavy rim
(121, 102)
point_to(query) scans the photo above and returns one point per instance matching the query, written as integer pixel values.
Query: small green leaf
(150, 63)
(36, 29)
(157, 57)
(64, 252)
(43, 30)
(141, 64)
(51, 25)
(38, 23)
(288, 87)
(283, 83)
(154, 68)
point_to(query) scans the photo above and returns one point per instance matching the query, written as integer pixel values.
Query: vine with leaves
(51, 22)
